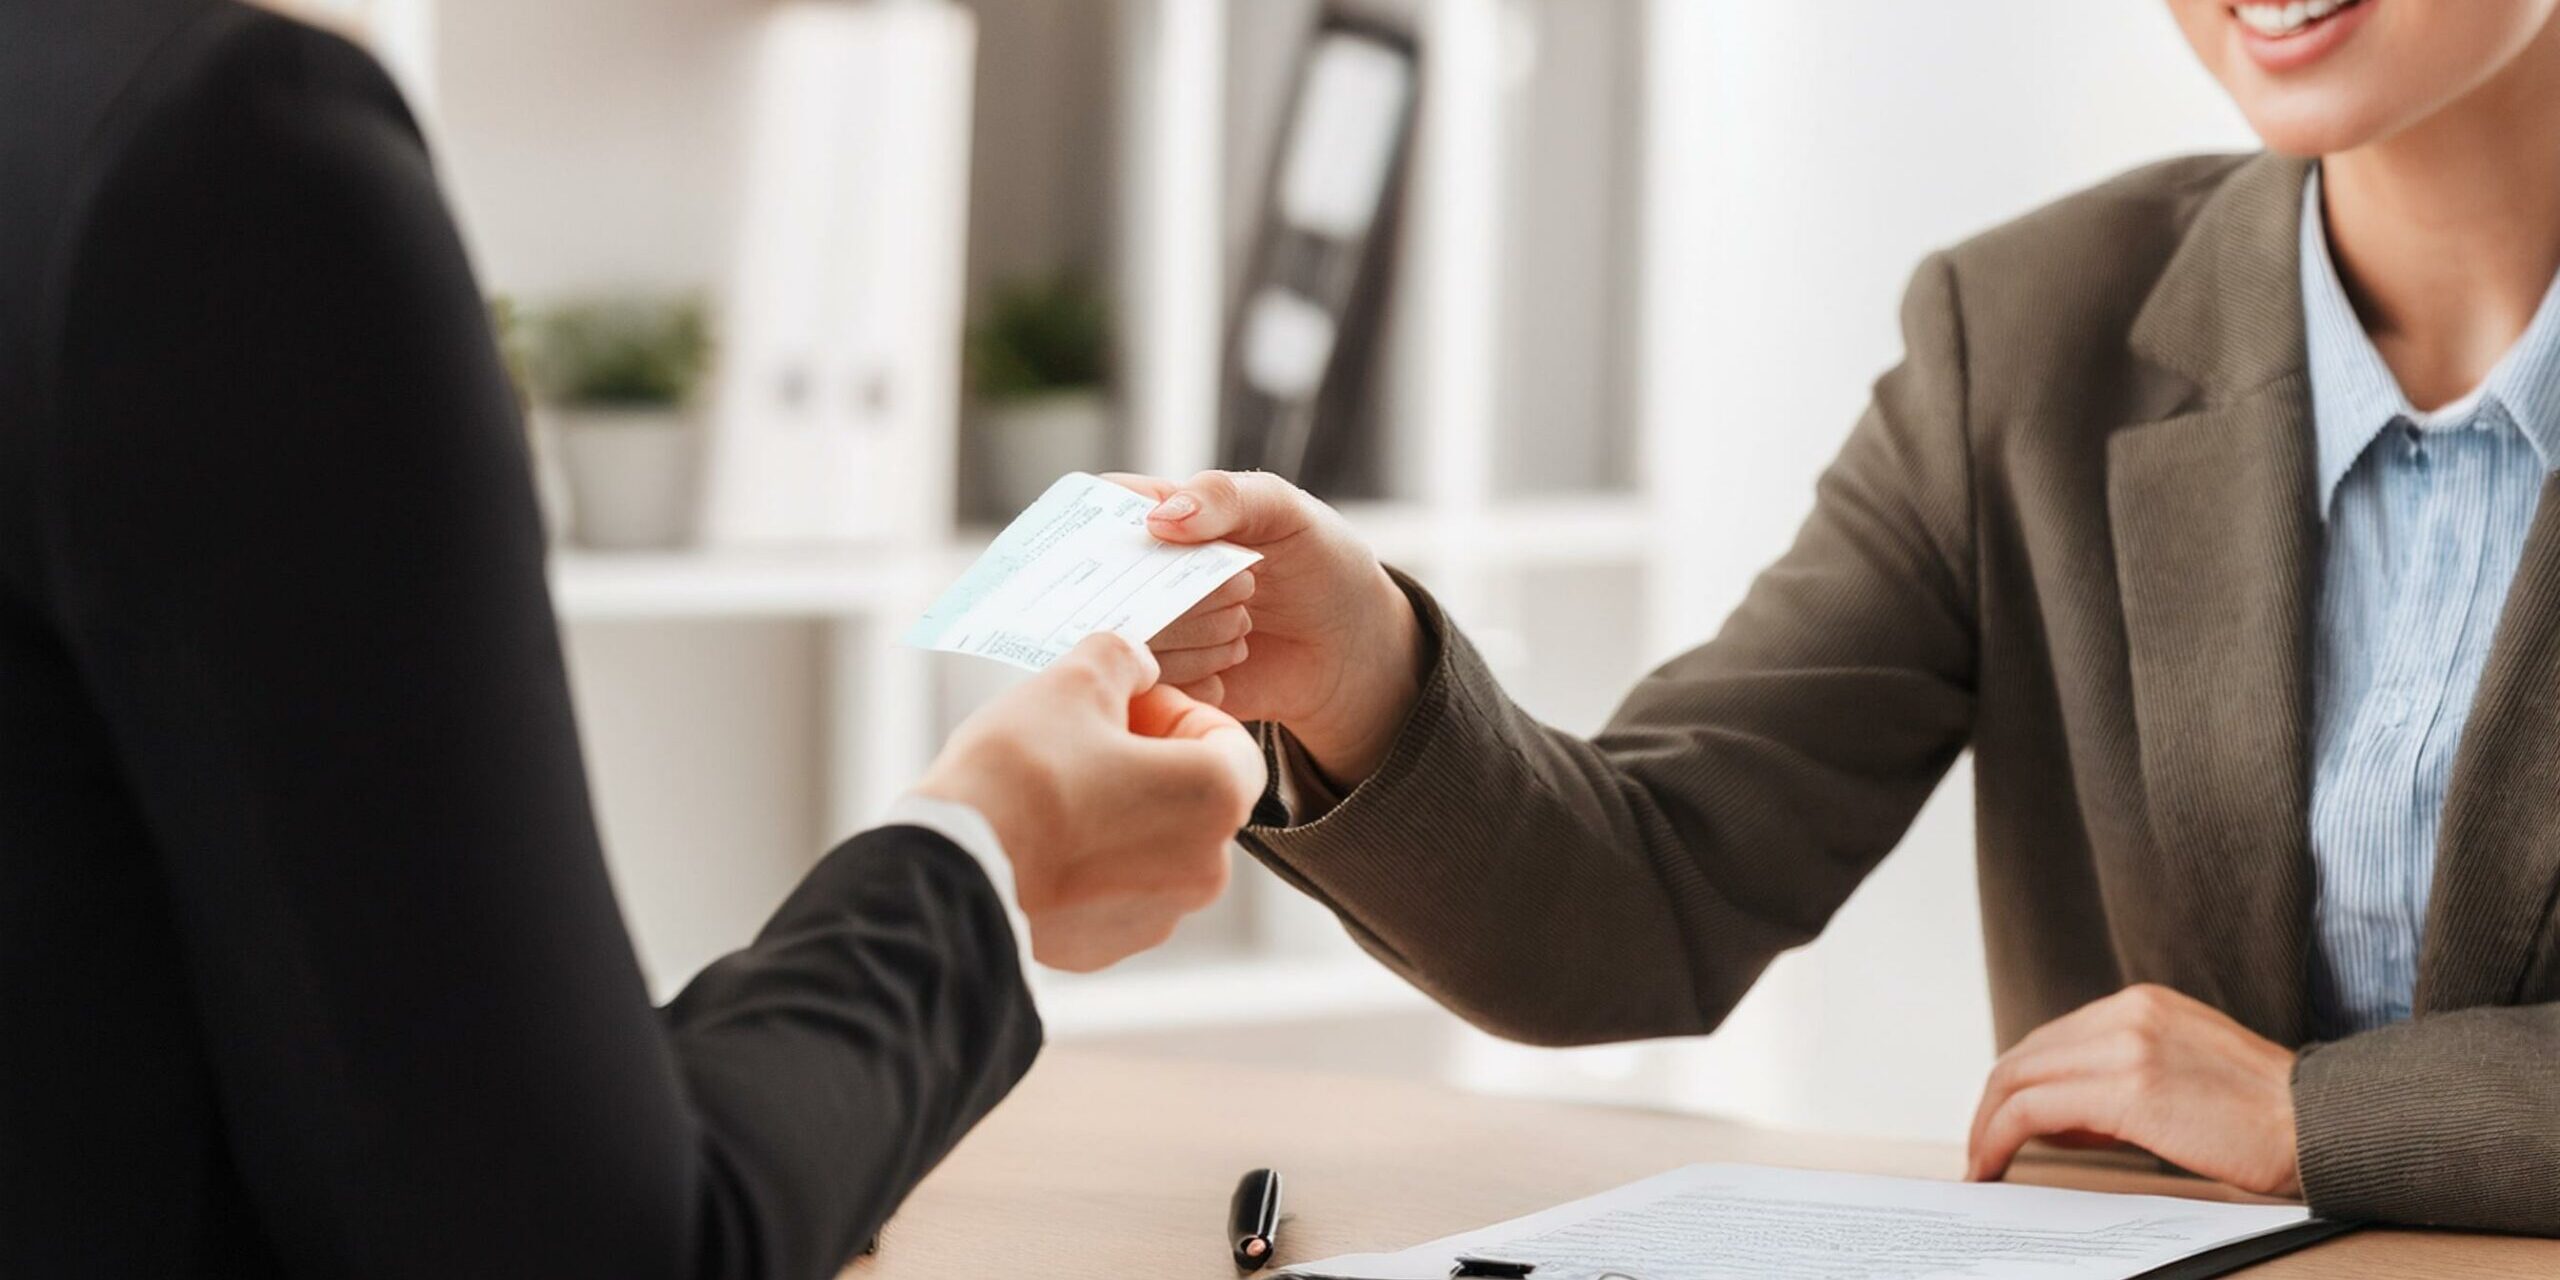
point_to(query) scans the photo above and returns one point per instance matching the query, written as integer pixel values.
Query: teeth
(2285, 19)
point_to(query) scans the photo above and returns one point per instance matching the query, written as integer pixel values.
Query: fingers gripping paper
(1078, 561)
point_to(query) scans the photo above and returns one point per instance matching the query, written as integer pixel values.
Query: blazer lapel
(2216, 537)
(2498, 851)
(2216, 545)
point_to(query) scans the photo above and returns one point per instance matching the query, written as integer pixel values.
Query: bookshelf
(1189, 110)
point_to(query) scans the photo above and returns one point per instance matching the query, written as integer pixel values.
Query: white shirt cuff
(961, 824)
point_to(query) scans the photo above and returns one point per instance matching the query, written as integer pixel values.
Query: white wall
(1805, 157)
(593, 145)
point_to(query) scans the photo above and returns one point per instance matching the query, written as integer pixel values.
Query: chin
(2307, 125)
(2349, 73)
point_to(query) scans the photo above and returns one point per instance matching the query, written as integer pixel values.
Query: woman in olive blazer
(2093, 530)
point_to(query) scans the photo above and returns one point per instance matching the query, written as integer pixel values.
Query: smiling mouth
(2279, 21)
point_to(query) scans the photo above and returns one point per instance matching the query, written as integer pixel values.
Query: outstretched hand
(1114, 796)
(1316, 637)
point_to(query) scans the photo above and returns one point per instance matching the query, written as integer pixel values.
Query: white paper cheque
(1078, 561)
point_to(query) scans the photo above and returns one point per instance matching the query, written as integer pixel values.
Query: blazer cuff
(1350, 847)
(2443, 1121)
(1299, 789)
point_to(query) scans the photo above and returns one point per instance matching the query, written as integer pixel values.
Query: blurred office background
(1572, 352)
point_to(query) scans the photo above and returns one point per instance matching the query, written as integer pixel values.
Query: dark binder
(1314, 291)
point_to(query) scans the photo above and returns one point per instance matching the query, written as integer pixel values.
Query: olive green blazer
(2074, 533)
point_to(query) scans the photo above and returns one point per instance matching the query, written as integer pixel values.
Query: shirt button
(2391, 708)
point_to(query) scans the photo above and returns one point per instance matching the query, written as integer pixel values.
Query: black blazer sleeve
(292, 546)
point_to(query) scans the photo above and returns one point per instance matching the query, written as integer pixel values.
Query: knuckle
(2140, 1054)
(1216, 486)
(1242, 794)
(1200, 777)
(1056, 952)
(1228, 625)
(1191, 666)
(2148, 1004)
(1038, 896)
(2004, 1077)
(2136, 1045)
(1115, 658)
(1217, 800)
(1264, 484)
(1109, 666)
(1081, 671)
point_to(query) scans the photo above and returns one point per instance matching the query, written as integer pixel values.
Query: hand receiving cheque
(1113, 795)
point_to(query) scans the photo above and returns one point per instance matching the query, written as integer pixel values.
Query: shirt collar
(2354, 396)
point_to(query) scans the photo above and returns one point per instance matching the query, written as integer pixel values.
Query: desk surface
(1121, 1167)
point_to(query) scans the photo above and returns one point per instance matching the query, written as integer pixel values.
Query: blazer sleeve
(1561, 890)
(2447, 1120)
(293, 550)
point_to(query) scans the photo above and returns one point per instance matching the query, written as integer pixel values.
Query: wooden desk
(1121, 1168)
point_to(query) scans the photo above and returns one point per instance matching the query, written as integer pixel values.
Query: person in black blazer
(308, 960)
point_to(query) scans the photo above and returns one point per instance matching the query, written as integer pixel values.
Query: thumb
(1169, 713)
(1253, 508)
(1104, 665)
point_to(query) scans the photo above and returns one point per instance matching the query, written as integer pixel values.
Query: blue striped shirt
(2425, 517)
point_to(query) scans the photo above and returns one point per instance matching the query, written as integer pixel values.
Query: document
(1728, 1220)
(1078, 561)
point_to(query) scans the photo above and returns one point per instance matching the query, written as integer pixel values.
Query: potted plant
(1038, 360)
(621, 377)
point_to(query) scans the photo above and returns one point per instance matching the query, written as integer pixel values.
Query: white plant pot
(634, 475)
(1024, 445)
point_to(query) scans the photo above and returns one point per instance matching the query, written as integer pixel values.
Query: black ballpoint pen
(1253, 1221)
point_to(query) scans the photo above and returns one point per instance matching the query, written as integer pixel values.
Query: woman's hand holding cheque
(1316, 637)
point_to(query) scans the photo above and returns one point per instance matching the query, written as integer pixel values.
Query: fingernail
(1181, 506)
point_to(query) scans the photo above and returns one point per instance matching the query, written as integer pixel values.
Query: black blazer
(308, 961)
